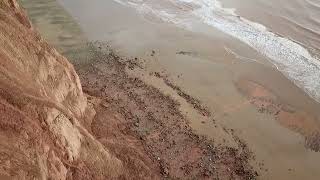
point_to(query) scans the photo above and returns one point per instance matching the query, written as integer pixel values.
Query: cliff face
(43, 109)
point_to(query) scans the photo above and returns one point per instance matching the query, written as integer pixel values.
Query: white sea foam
(293, 60)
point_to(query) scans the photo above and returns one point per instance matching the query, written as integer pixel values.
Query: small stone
(136, 124)
(166, 171)
(104, 104)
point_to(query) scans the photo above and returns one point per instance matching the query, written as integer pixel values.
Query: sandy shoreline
(156, 121)
(275, 119)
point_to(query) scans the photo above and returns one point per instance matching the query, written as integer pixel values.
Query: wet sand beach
(225, 91)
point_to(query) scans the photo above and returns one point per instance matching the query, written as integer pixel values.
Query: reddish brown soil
(146, 130)
(290, 117)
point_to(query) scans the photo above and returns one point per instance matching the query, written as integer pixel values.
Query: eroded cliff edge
(43, 109)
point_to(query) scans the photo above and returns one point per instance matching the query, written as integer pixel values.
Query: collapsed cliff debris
(155, 121)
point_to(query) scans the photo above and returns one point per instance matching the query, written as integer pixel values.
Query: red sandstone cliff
(42, 109)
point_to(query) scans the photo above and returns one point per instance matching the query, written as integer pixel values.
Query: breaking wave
(292, 59)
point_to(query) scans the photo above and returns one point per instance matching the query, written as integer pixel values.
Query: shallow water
(58, 27)
(291, 58)
(210, 71)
